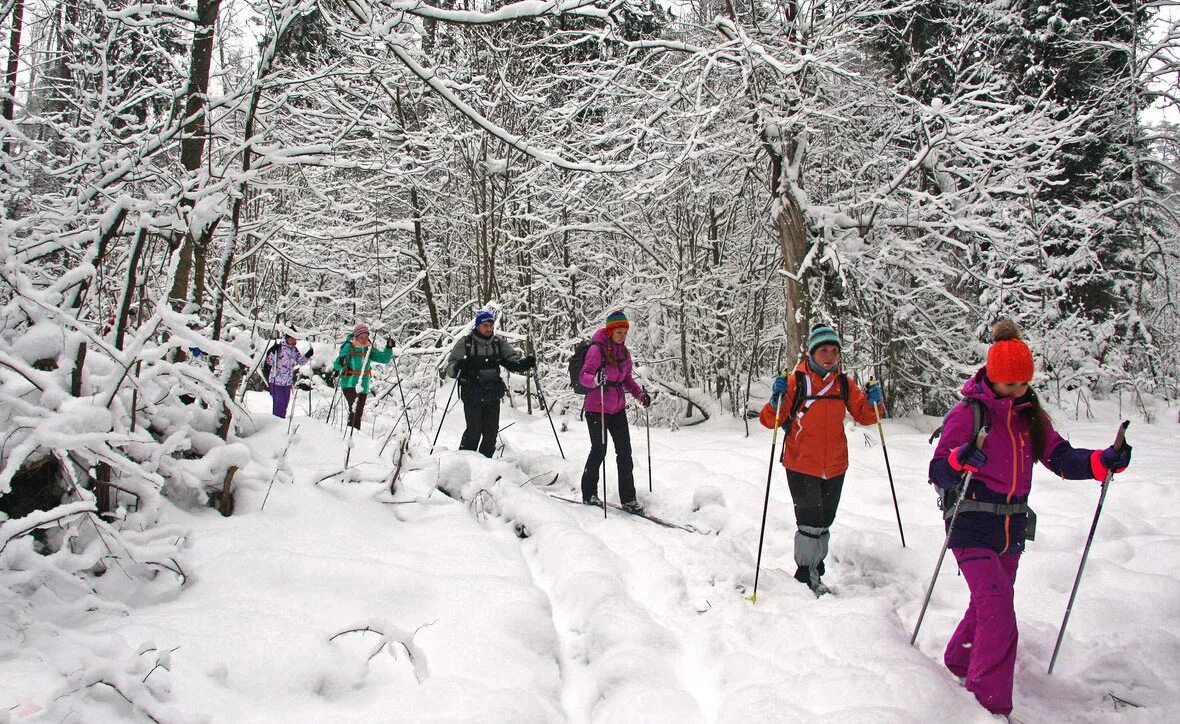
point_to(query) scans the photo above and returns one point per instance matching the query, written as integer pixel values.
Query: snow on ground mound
(468, 593)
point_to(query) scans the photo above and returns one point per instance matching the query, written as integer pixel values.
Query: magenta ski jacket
(1006, 477)
(618, 375)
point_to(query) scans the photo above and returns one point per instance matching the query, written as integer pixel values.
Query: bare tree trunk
(427, 292)
(129, 286)
(565, 259)
(192, 147)
(791, 232)
(8, 104)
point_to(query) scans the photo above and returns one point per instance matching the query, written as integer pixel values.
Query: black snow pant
(356, 406)
(816, 500)
(616, 425)
(483, 425)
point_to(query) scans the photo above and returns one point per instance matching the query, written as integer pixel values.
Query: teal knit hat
(823, 334)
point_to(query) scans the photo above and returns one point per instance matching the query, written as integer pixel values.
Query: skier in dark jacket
(990, 529)
(279, 368)
(475, 359)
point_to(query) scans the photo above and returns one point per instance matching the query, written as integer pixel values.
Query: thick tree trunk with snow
(192, 149)
(790, 230)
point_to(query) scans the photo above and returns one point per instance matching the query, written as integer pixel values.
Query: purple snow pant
(280, 395)
(983, 647)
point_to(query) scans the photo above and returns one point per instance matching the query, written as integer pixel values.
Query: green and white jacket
(354, 370)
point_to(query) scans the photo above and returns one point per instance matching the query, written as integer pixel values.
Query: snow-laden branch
(524, 10)
(396, 45)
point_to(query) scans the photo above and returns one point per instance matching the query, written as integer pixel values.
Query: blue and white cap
(823, 334)
(484, 315)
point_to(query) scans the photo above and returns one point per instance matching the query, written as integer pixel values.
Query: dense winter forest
(182, 180)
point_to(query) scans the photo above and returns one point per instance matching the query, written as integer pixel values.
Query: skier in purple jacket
(279, 369)
(993, 518)
(606, 371)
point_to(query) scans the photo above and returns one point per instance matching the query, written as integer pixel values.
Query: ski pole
(541, 399)
(291, 404)
(602, 419)
(332, 404)
(888, 469)
(947, 542)
(1119, 439)
(409, 428)
(647, 421)
(444, 415)
(766, 501)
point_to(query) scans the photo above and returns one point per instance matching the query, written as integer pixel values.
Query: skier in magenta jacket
(606, 372)
(993, 518)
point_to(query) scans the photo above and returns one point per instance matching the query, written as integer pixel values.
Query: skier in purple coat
(279, 368)
(606, 372)
(993, 518)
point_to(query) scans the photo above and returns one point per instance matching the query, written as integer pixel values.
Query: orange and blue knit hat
(616, 320)
(1009, 359)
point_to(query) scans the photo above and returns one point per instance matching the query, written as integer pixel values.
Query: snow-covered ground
(494, 602)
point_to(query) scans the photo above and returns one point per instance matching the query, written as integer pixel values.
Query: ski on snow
(644, 515)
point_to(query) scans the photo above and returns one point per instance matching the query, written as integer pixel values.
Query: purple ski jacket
(618, 375)
(1006, 477)
(283, 358)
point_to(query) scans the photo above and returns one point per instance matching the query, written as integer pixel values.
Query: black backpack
(577, 359)
(801, 384)
(979, 416)
(266, 363)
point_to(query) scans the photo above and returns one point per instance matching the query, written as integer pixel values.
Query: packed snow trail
(471, 595)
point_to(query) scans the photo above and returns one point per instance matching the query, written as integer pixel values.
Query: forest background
(200, 176)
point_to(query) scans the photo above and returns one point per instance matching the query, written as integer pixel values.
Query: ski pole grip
(980, 438)
(1121, 436)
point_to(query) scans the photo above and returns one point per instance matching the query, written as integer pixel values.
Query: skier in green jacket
(353, 363)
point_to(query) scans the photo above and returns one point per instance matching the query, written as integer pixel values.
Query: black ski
(1121, 703)
(644, 515)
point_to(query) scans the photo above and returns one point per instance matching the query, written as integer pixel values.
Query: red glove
(967, 457)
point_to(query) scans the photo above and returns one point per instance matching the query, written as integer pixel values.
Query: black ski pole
(404, 413)
(444, 415)
(947, 542)
(332, 404)
(602, 419)
(647, 421)
(766, 501)
(888, 470)
(541, 399)
(1119, 439)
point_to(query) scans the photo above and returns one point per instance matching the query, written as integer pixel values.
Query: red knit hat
(1009, 359)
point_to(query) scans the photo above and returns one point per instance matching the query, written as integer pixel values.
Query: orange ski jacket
(816, 444)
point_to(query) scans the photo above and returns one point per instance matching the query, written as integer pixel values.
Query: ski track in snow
(507, 605)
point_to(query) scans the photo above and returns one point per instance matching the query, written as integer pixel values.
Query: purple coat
(618, 375)
(1006, 477)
